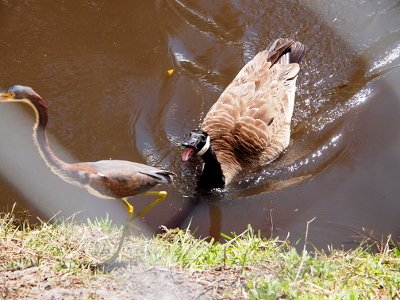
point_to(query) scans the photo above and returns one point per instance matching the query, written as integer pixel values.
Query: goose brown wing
(262, 133)
(253, 113)
(261, 128)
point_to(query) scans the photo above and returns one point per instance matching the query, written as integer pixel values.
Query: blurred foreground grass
(246, 266)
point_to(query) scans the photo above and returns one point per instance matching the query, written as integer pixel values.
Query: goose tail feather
(285, 51)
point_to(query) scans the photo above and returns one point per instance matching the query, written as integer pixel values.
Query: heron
(107, 179)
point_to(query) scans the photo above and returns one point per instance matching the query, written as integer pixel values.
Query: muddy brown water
(102, 68)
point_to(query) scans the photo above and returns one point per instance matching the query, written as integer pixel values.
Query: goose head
(197, 144)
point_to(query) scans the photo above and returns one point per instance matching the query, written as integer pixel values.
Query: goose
(249, 125)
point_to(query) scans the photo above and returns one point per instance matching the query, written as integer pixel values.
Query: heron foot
(129, 222)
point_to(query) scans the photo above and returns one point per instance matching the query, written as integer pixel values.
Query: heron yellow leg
(161, 196)
(129, 221)
(125, 231)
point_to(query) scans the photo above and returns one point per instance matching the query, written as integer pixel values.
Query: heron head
(18, 93)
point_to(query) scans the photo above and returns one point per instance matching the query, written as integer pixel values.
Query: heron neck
(55, 164)
(212, 176)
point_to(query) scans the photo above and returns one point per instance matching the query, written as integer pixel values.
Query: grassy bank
(67, 258)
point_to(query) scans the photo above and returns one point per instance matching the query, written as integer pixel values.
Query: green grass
(250, 266)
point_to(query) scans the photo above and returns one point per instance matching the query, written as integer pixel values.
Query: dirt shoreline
(142, 283)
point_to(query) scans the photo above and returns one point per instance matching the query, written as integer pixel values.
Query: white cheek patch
(205, 147)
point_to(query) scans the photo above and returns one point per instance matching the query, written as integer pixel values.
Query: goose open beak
(188, 153)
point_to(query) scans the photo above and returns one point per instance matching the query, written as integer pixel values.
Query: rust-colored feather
(117, 178)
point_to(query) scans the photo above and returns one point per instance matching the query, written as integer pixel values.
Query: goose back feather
(249, 125)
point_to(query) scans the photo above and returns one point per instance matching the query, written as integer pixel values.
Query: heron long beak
(5, 96)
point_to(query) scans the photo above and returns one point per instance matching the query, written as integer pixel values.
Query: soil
(156, 282)
(128, 279)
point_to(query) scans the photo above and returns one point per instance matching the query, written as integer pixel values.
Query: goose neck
(212, 176)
